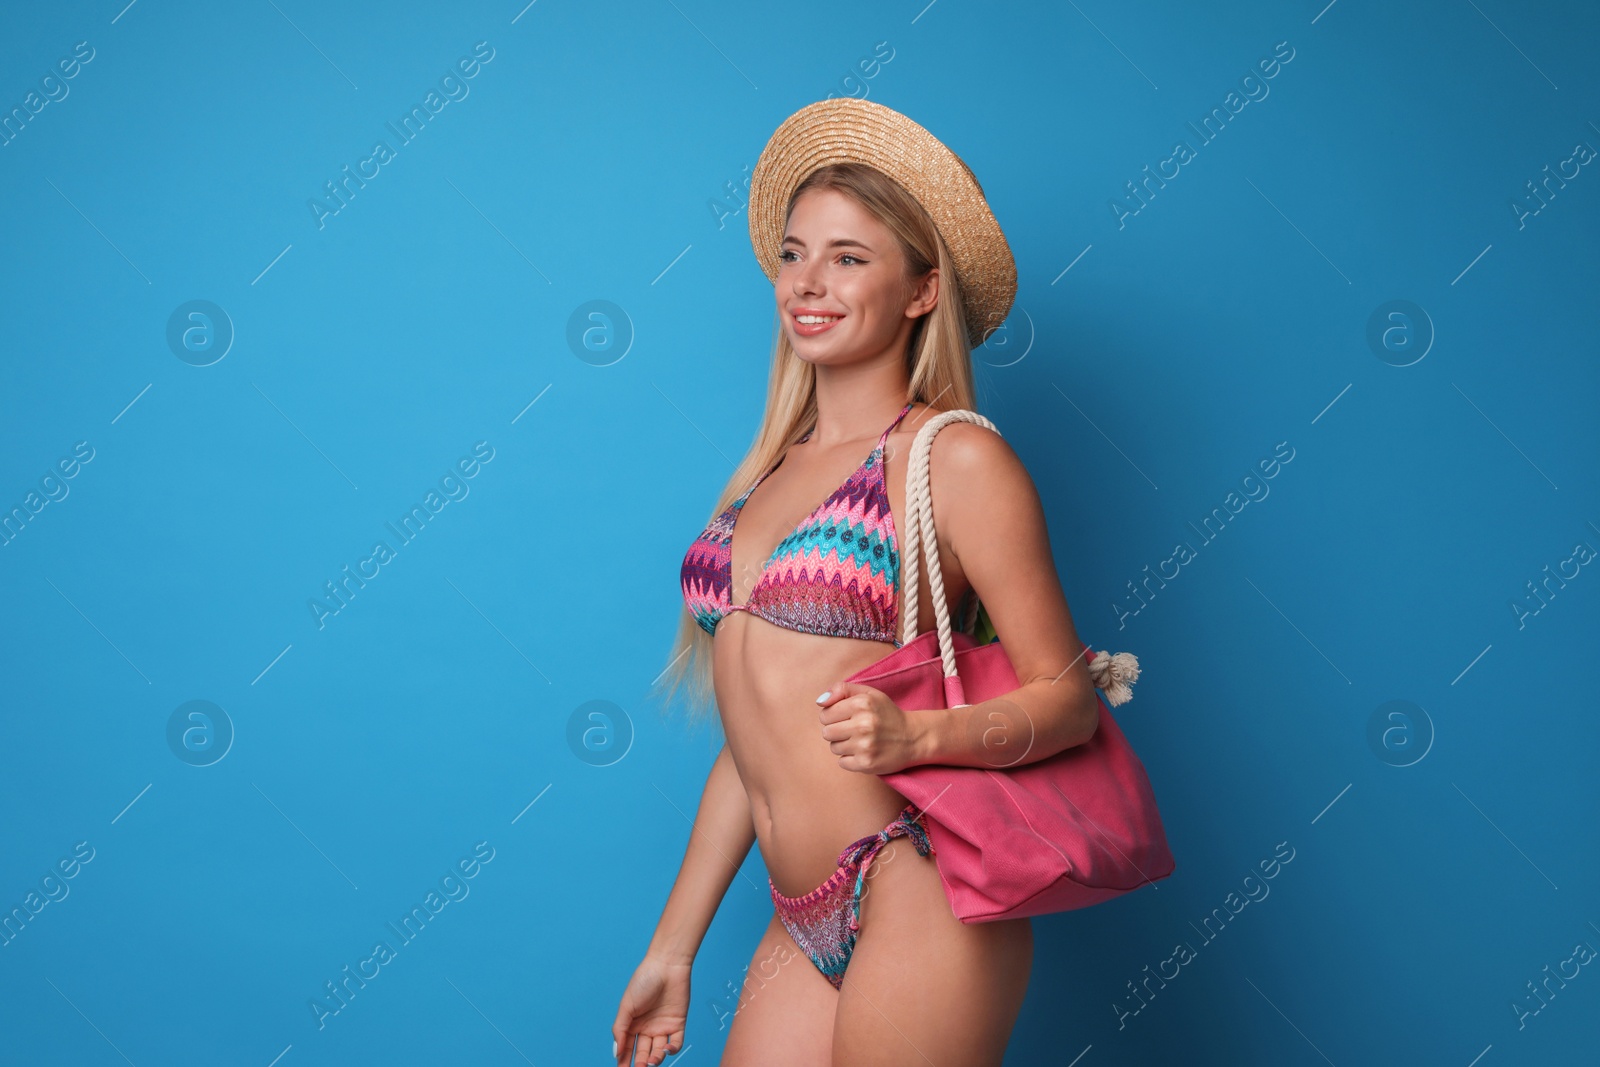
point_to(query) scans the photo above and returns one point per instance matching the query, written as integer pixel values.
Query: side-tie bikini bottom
(825, 921)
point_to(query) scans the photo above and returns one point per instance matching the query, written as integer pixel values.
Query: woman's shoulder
(984, 493)
(963, 448)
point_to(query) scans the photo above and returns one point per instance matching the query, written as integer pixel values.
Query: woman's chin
(826, 350)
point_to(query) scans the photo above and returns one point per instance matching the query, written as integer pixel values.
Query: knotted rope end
(1114, 675)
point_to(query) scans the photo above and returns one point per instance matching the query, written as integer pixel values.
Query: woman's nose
(806, 279)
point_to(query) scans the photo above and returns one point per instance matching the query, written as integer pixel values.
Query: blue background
(1441, 858)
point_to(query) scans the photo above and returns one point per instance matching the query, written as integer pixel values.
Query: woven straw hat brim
(847, 130)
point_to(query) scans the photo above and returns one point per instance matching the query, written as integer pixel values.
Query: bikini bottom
(825, 921)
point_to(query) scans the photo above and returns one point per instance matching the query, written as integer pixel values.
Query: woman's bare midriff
(805, 806)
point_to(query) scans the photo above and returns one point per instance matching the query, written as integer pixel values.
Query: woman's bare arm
(724, 830)
(996, 526)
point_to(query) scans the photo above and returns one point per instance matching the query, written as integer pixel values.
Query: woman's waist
(801, 835)
(755, 661)
(793, 778)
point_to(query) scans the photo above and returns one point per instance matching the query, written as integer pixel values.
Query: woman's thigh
(923, 987)
(785, 1012)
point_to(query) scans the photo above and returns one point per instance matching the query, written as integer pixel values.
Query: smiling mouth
(814, 325)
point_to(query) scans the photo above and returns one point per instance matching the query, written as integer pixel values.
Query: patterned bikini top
(837, 573)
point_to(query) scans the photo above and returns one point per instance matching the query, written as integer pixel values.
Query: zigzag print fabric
(826, 921)
(836, 574)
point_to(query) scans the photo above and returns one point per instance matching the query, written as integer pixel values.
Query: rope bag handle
(1113, 674)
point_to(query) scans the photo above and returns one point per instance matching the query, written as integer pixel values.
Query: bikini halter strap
(883, 438)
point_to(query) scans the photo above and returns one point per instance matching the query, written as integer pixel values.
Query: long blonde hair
(938, 364)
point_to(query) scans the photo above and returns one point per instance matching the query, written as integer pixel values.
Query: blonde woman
(887, 266)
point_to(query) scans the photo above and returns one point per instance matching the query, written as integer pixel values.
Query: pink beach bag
(1065, 832)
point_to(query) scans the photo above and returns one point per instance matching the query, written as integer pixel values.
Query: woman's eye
(789, 255)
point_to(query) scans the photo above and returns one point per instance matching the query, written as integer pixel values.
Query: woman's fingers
(640, 1050)
(620, 1039)
(649, 1050)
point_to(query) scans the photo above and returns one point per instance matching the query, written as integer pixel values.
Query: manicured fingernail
(613, 1048)
(826, 693)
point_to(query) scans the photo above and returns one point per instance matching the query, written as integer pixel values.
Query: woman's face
(841, 265)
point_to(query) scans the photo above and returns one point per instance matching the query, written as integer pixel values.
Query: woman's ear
(925, 292)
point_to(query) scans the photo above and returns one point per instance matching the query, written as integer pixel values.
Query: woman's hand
(868, 731)
(655, 1007)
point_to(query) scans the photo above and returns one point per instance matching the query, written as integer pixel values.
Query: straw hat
(847, 130)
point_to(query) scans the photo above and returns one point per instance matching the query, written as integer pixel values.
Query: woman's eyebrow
(837, 242)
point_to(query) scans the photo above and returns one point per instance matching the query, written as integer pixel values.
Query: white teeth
(813, 319)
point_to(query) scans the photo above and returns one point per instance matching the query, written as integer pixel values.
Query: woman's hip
(803, 844)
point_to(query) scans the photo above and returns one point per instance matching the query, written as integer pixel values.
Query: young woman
(887, 266)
